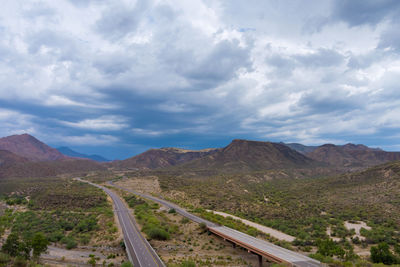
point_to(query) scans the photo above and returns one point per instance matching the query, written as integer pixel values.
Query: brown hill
(244, 155)
(29, 147)
(161, 158)
(48, 168)
(300, 147)
(7, 158)
(352, 156)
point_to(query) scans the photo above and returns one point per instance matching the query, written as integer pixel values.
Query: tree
(126, 264)
(15, 247)
(12, 245)
(382, 254)
(39, 244)
(328, 247)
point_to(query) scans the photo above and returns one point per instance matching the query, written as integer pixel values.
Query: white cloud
(105, 123)
(89, 140)
(13, 122)
(304, 73)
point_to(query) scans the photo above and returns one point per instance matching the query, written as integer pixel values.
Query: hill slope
(300, 147)
(71, 153)
(352, 156)
(161, 158)
(29, 147)
(7, 158)
(31, 169)
(244, 155)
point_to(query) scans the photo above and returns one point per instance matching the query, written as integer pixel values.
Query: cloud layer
(116, 77)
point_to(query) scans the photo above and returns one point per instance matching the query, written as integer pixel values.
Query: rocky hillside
(352, 156)
(31, 169)
(161, 158)
(29, 147)
(244, 155)
(7, 158)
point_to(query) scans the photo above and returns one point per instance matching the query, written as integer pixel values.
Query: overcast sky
(117, 77)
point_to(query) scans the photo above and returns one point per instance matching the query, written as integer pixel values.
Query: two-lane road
(139, 251)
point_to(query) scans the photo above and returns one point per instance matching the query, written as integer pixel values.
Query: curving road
(139, 251)
(258, 246)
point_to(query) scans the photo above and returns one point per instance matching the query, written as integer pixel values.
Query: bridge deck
(265, 248)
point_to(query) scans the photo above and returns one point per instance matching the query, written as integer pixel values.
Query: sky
(117, 77)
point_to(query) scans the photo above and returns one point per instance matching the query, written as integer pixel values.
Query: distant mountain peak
(71, 153)
(27, 146)
(247, 155)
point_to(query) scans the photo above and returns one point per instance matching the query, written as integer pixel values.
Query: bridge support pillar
(260, 261)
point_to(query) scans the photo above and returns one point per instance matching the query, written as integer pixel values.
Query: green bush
(382, 254)
(328, 247)
(126, 264)
(4, 259)
(69, 242)
(19, 262)
(188, 264)
(172, 211)
(157, 233)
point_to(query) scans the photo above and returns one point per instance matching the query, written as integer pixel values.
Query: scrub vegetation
(305, 208)
(53, 211)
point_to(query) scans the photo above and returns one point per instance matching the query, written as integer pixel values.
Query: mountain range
(25, 155)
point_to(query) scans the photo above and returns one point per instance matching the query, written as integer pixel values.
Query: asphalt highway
(139, 251)
(266, 247)
(244, 240)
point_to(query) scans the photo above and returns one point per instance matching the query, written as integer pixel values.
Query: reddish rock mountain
(161, 158)
(29, 147)
(25, 156)
(48, 168)
(352, 156)
(244, 155)
(7, 158)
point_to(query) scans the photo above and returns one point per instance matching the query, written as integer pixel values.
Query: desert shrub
(328, 247)
(172, 211)
(157, 233)
(69, 242)
(382, 254)
(188, 263)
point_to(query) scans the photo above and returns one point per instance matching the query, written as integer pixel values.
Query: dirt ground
(272, 232)
(147, 185)
(57, 256)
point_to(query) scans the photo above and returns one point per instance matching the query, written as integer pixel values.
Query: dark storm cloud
(59, 44)
(128, 75)
(359, 12)
(120, 19)
(220, 65)
(390, 38)
(113, 64)
(336, 101)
